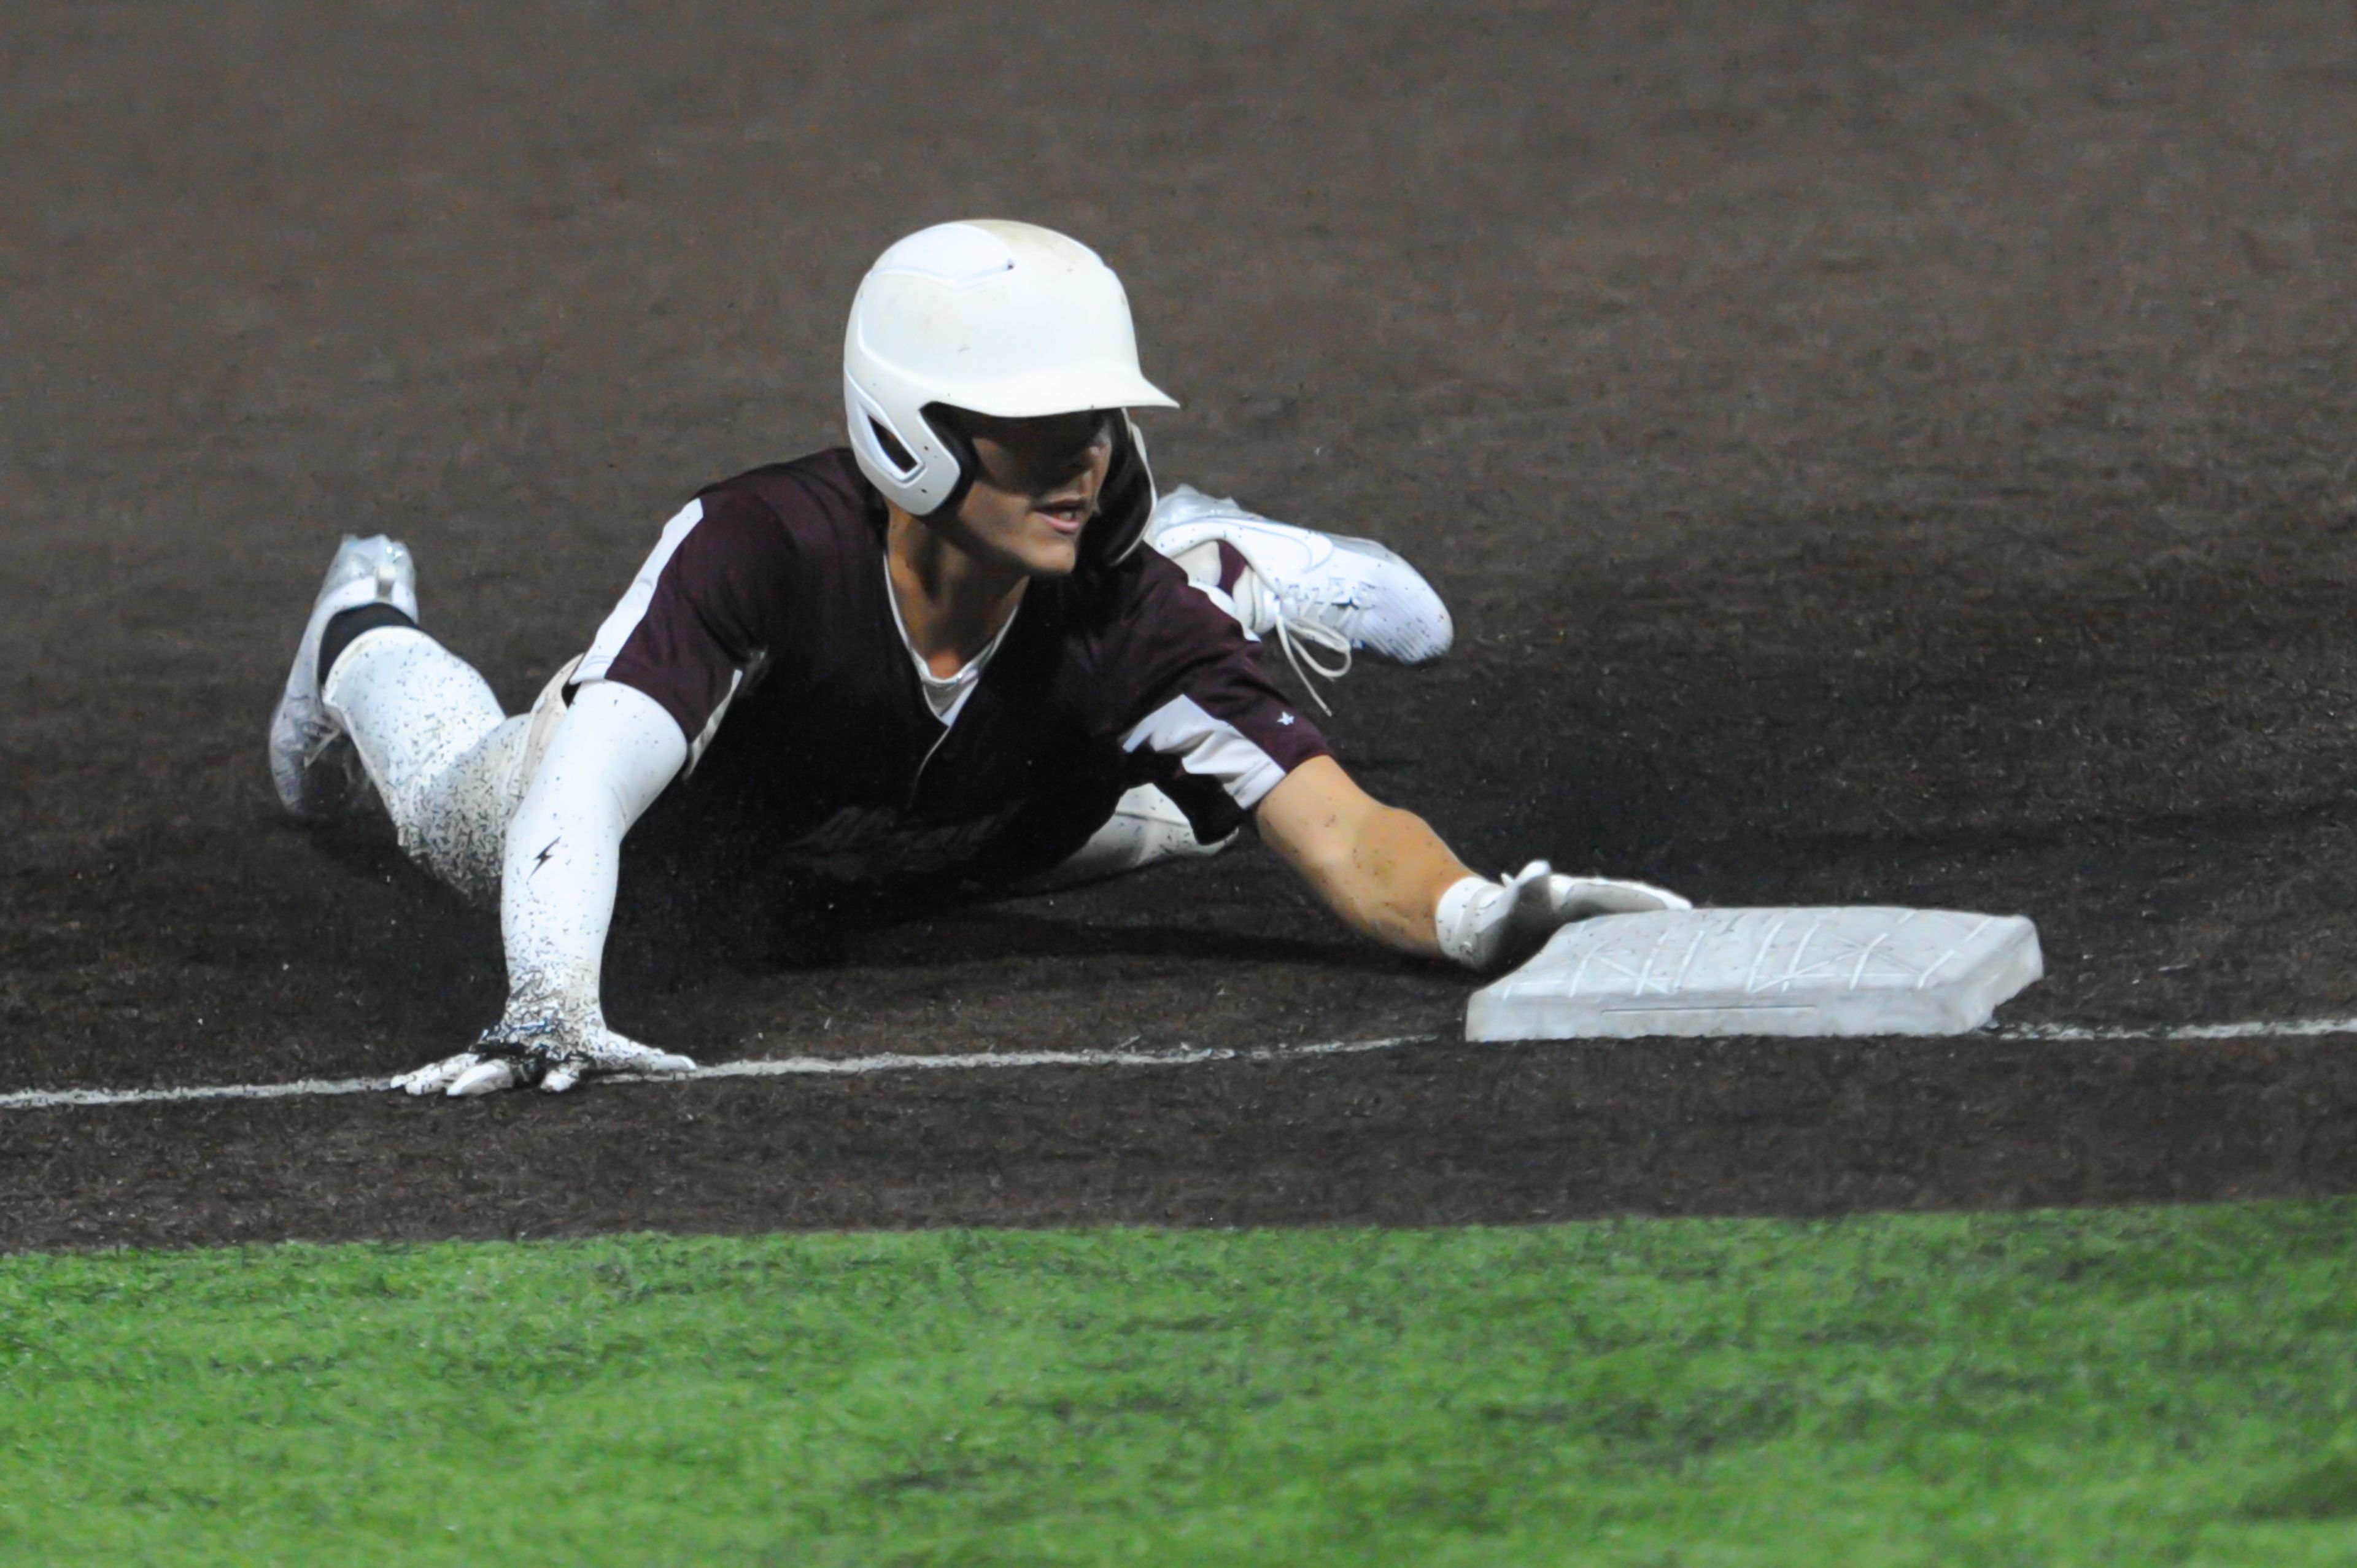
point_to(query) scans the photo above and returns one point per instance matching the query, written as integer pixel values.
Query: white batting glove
(1487, 925)
(515, 1054)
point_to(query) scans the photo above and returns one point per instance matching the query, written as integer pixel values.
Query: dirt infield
(1892, 453)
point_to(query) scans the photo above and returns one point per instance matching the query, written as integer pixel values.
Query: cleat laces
(1299, 634)
(1300, 638)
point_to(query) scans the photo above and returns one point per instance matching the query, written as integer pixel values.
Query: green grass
(2152, 1386)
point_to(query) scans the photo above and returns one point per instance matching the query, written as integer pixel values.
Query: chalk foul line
(2257, 1029)
(767, 1067)
(1116, 1056)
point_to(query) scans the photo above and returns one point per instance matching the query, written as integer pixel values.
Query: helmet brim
(1066, 390)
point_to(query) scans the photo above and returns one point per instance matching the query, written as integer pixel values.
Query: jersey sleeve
(701, 617)
(1202, 722)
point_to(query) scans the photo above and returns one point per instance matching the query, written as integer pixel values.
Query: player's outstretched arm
(613, 754)
(1387, 875)
(1380, 869)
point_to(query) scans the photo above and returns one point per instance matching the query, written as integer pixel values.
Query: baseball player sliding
(972, 650)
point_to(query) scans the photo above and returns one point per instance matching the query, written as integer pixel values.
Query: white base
(1844, 970)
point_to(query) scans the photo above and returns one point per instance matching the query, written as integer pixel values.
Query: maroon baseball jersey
(764, 623)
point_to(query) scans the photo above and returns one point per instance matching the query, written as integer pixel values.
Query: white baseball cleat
(1322, 590)
(1147, 827)
(317, 772)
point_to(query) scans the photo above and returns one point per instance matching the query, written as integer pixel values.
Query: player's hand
(1486, 925)
(513, 1055)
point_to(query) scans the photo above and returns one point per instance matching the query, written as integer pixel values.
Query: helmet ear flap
(903, 457)
(1126, 501)
(960, 447)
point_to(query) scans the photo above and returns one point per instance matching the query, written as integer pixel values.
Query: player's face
(1037, 490)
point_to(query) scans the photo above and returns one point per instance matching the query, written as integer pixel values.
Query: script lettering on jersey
(876, 844)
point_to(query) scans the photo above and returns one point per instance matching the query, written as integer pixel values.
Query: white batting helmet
(1003, 318)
